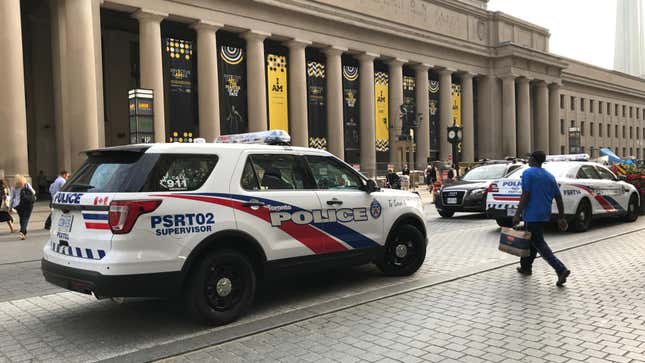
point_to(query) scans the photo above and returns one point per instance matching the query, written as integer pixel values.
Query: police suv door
(274, 202)
(354, 215)
(589, 180)
(613, 191)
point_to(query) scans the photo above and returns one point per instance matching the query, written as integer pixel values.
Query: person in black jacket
(393, 180)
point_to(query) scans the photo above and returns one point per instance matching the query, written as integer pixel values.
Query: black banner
(351, 114)
(317, 110)
(409, 104)
(232, 90)
(179, 68)
(435, 123)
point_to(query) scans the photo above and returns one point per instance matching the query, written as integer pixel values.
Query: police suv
(588, 189)
(206, 220)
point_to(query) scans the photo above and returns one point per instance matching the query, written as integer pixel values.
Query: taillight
(124, 213)
(492, 188)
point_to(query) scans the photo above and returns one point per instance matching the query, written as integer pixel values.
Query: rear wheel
(632, 209)
(582, 218)
(221, 287)
(504, 222)
(404, 252)
(446, 214)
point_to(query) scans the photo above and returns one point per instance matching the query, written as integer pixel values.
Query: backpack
(27, 196)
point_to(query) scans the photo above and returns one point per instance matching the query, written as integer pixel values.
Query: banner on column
(381, 81)
(232, 90)
(409, 104)
(181, 120)
(435, 132)
(456, 115)
(277, 91)
(316, 106)
(351, 114)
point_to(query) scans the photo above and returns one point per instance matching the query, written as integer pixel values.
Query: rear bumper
(165, 284)
(497, 214)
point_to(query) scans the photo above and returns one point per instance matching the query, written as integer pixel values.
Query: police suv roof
(204, 148)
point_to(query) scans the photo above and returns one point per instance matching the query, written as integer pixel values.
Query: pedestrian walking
(393, 180)
(405, 170)
(539, 188)
(23, 197)
(53, 189)
(5, 205)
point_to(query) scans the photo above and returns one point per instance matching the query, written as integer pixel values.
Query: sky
(580, 29)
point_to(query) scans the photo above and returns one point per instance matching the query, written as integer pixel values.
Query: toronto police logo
(375, 209)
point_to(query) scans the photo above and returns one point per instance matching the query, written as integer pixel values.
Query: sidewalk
(15, 250)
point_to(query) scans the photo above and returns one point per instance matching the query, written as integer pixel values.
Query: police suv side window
(605, 174)
(179, 172)
(587, 172)
(276, 172)
(331, 174)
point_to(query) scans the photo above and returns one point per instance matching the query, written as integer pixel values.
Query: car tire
(445, 214)
(582, 219)
(632, 209)
(504, 222)
(221, 287)
(405, 252)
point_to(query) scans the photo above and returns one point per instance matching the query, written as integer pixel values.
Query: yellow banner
(456, 104)
(381, 114)
(277, 91)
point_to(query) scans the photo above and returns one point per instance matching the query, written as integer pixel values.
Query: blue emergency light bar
(568, 157)
(271, 137)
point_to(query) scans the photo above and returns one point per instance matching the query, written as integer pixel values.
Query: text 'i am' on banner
(277, 91)
(381, 115)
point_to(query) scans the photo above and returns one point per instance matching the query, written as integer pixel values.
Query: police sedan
(589, 190)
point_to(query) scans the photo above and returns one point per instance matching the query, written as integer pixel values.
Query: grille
(459, 194)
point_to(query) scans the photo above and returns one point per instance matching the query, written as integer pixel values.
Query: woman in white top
(23, 197)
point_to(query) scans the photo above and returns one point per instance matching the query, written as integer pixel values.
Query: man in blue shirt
(53, 189)
(539, 188)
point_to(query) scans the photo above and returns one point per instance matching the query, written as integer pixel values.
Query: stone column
(368, 113)
(554, 119)
(335, 130)
(541, 117)
(256, 80)
(13, 117)
(445, 112)
(523, 117)
(423, 108)
(509, 143)
(59, 78)
(395, 96)
(297, 73)
(467, 118)
(82, 77)
(150, 64)
(207, 82)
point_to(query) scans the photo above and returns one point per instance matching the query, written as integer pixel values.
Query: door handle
(334, 202)
(253, 203)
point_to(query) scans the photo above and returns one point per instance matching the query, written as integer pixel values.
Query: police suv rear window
(117, 171)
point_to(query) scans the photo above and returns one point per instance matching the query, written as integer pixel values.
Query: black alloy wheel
(504, 222)
(632, 209)
(582, 219)
(221, 288)
(446, 214)
(405, 252)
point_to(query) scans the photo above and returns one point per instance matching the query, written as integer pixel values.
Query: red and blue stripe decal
(318, 237)
(507, 197)
(608, 203)
(96, 220)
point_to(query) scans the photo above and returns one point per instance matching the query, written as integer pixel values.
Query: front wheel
(632, 209)
(504, 222)
(404, 252)
(221, 287)
(582, 219)
(446, 214)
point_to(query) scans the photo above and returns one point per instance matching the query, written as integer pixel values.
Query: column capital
(396, 61)
(540, 83)
(255, 35)
(367, 56)
(523, 80)
(555, 86)
(297, 43)
(206, 25)
(508, 76)
(467, 75)
(421, 67)
(444, 71)
(149, 15)
(334, 50)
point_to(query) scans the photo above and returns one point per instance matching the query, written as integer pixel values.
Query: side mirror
(371, 186)
(622, 178)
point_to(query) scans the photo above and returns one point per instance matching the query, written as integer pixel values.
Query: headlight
(478, 192)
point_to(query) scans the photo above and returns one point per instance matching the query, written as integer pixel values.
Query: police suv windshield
(558, 169)
(486, 172)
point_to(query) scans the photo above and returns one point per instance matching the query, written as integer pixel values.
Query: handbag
(27, 196)
(515, 242)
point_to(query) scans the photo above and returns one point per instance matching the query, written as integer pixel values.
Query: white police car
(588, 189)
(206, 220)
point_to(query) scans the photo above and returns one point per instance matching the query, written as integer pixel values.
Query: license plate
(451, 200)
(65, 223)
(511, 212)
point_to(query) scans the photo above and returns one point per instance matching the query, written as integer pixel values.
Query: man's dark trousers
(538, 244)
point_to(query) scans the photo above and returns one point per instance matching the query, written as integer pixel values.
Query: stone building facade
(350, 65)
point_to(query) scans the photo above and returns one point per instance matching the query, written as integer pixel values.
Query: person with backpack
(23, 197)
(54, 188)
(5, 205)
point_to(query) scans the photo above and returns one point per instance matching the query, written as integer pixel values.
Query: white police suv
(588, 189)
(205, 220)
